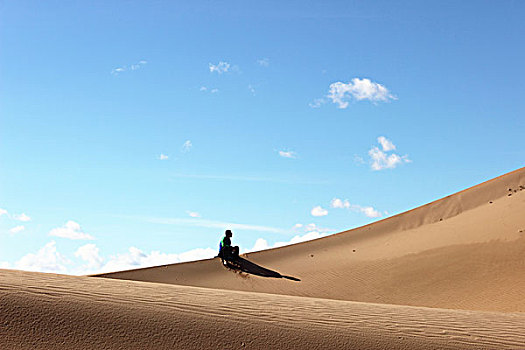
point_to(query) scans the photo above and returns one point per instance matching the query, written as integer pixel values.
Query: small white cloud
(252, 89)
(22, 217)
(358, 89)
(370, 212)
(263, 62)
(193, 214)
(212, 91)
(71, 230)
(163, 156)
(47, 259)
(132, 67)
(221, 67)
(4, 265)
(288, 154)
(319, 211)
(338, 203)
(381, 160)
(17, 229)
(318, 102)
(3, 212)
(186, 146)
(386, 144)
(345, 204)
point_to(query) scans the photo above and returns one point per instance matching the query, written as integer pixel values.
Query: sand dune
(465, 251)
(447, 275)
(45, 311)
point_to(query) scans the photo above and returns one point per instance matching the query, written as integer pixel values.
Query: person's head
(228, 233)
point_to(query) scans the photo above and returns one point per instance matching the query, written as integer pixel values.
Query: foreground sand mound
(46, 311)
(465, 251)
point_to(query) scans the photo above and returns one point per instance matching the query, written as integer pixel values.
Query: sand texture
(447, 275)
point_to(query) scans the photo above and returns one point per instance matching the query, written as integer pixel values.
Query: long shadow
(247, 266)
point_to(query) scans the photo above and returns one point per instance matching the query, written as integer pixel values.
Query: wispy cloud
(318, 102)
(193, 214)
(195, 222)
(3, 212)
(252, 89)
(251, 178)
(287, 154)
(207, 89)
(319, 211)
(221, 67)
(380, 159)
(263, 62)
(17, 229)
(70, 230)
(366, 210)
(356, 90)
(186, 146)
(131, 67)
(163, 157)
(22, 217)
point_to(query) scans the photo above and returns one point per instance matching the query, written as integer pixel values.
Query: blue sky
(133, 133)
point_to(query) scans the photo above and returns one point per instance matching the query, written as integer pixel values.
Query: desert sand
(446, 275)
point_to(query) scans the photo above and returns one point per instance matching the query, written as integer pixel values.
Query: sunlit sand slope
(465, 251)
(45, 311)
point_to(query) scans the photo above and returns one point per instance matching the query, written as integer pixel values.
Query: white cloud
(47, 259)
(381, 160)
(22, 217)
(132, 67)
(70, 230)
(17, 229)
(318, 102)
(386, 144)
(319, 211)
(338, 203)
(4, 265)
(193, 214)
(370, 212)
(252, 89)
(221, 67)
(3, 212)
(212, 91)
(163, 156)
(262, 244)
(210, 224)
(136, 258)
(264, 62)
(345, 204)
(358, 89)
(186, 146)
(90, 254)
(287, 154)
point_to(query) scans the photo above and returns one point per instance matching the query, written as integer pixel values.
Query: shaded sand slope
(465, 251)
(46, 311)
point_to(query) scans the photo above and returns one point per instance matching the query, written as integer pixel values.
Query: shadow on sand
(243, 265)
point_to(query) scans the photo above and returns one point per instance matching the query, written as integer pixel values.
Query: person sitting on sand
(226, 251)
